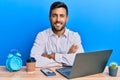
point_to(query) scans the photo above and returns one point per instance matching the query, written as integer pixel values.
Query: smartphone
(48, 72)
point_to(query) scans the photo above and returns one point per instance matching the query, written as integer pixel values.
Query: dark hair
(58, 4)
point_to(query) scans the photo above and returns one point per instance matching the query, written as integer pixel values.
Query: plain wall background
(97, 21)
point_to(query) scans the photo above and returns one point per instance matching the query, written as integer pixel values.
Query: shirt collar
(51, 33)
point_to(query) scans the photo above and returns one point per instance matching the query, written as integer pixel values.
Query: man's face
(58, 19)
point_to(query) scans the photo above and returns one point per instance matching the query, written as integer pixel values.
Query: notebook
(86, 64)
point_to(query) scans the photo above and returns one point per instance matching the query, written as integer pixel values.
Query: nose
(58, 18)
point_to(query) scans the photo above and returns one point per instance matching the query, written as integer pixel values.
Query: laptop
(86, 64)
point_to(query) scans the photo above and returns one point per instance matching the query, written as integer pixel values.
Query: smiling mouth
(58, 23)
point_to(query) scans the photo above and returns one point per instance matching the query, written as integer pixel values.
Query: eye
(62, 15)
(53, 15)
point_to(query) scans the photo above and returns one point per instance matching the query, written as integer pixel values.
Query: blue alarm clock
(14, 61)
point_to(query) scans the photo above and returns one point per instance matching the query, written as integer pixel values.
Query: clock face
(15, 63)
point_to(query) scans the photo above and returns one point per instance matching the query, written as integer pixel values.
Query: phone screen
(48, 72)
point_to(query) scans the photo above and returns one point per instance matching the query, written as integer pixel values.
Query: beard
(58, 30)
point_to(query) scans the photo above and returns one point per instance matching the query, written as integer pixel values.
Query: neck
(59, 33)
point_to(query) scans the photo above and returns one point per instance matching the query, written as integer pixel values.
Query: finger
(44, 55)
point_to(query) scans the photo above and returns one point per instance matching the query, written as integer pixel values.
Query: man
(56, 45)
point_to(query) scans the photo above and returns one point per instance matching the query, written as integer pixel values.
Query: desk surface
(37, 75)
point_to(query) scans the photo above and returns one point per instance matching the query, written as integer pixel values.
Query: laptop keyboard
(66, 73)
(66, 70)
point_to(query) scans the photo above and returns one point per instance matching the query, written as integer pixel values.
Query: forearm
(44, 61)
(41, 61)
(67, 59)
(61, 58)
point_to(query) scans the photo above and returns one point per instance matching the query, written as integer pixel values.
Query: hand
(50, 56)
(44, 55)
(73, 49)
